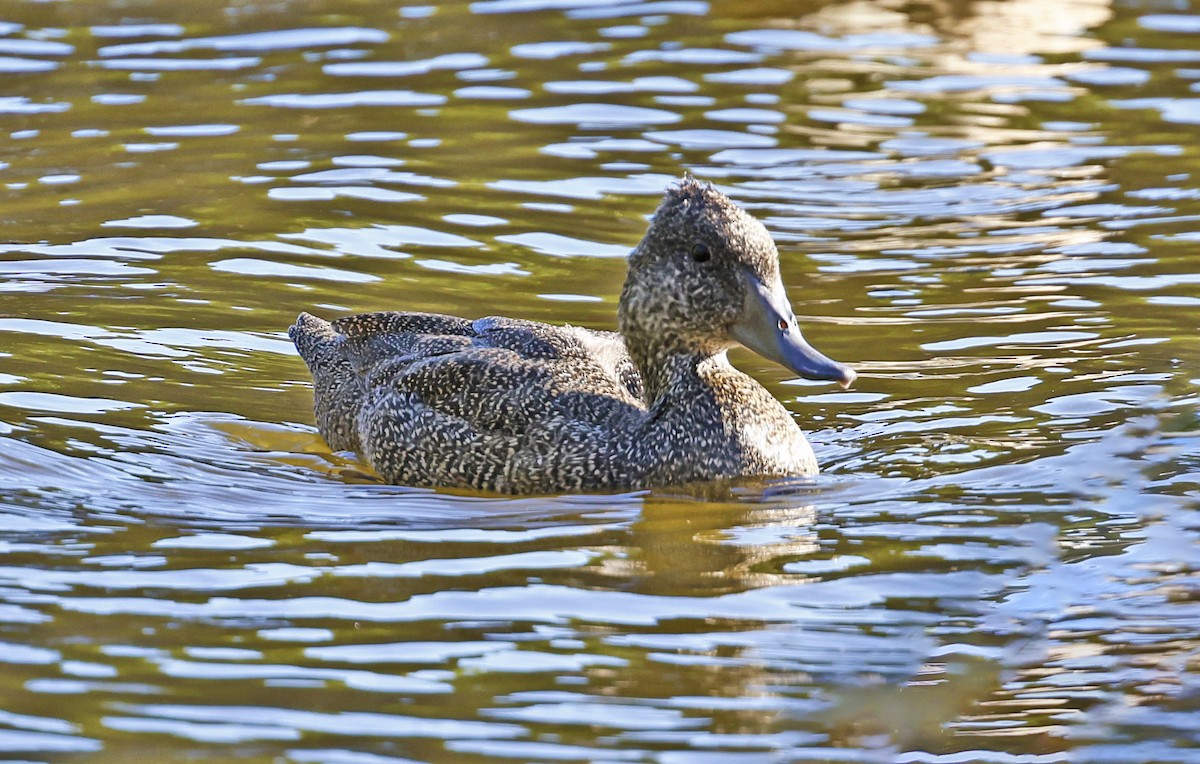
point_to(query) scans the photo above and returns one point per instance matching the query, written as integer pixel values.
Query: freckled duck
(512, 406)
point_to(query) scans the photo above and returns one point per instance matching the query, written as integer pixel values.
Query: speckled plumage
(513, 406)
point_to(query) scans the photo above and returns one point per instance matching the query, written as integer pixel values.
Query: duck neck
(667, 360)
(670, 372)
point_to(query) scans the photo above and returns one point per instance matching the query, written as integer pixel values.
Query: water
(989, 209)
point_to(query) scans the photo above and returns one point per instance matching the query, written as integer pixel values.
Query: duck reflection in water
(512, 406)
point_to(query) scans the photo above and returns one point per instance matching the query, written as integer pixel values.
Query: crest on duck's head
(688, 190)
(691, 196)
(695, 210)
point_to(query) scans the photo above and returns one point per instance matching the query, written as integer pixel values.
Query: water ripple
(989, 213)
(281, 39)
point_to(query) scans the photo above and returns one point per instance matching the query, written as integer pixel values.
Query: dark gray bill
(768, 327)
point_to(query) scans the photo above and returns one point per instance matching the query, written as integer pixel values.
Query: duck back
(494, 404)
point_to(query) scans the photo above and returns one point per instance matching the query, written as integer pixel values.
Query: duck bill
(768, 327)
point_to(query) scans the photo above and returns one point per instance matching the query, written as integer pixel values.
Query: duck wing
(497, 403)
(384, 338)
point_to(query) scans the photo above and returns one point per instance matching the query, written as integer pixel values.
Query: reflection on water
(988, 207)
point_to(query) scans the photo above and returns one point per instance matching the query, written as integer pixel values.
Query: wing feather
(493, 403)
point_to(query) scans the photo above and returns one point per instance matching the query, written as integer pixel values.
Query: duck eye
(783, 325)
(700, 253)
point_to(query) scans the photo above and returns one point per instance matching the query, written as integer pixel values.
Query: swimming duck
(512, 406)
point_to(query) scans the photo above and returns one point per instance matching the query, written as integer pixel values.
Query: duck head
(706, 277)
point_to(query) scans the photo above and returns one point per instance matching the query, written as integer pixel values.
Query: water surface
(989, 209)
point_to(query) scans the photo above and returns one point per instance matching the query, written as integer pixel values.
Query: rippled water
(989, 208)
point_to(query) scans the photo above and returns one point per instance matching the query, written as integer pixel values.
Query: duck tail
(312, 337)
(337, 391)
